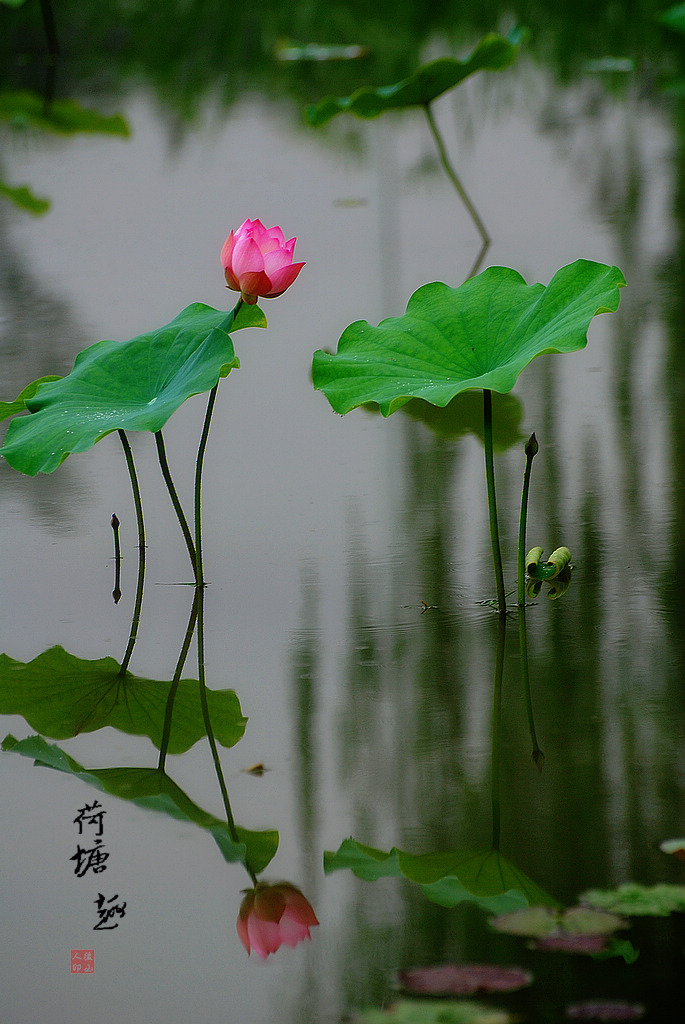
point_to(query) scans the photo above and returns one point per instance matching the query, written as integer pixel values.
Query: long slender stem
(531, 449)
(168, 711)
(199, 575)
(492, 501)
(135, 621)
(454, 178)
(537, 755)
(49, 27)
(200, 595)
(200, 598)
(116, 592)
(175, 500)
(199, 571)
(495, 753)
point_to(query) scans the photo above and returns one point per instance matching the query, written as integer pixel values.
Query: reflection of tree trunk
(403, 726)
(674, 380)
(305, 699)
(306, 686)
(38, 337)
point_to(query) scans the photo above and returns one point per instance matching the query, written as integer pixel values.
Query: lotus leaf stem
(175, 501)
(168, 711)
(135, 621)
(492, 501)
(456, 181)
(200, 601)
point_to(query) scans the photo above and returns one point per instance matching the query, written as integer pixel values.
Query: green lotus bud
(532, 447)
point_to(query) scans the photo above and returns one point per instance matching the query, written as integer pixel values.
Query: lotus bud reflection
(258, 261)
(274, 915)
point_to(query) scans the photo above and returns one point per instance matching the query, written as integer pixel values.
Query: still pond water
(348, 558)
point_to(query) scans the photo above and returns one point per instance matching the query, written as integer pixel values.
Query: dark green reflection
(184, 51)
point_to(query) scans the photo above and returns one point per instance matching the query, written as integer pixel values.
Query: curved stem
(492, 501)
(478, 260)
(200, 598)
(532, 449)
(199, 573)
(168, 711)
(454, 178)
(141, 551)
(175, 501)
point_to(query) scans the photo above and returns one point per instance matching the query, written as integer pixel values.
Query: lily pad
(463, 979)
(61, 696)
(541, 922)
(153, 789)
(23, 197)
(484, 877)
(132, 385)
(428, 1011)
(493, 53)
(479, 335)
(634, 900)
(578, 930)
(63, 117)
(571, 942)
(605, 1009)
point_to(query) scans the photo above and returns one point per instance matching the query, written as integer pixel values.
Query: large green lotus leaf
(132, 385)
(484, 877)
(539, 922)
(64, 117)
(480, 335)
(24, 198)
(61, 696)
(435, 1011)
(578, 930)
(493, 53)
(635, 900)
(8, 409)
(153, 789)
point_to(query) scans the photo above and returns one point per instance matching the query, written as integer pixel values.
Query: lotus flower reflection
(258, 261)
(274, 915)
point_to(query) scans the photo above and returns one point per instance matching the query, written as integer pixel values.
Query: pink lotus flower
(258, 261)
(271, 915)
